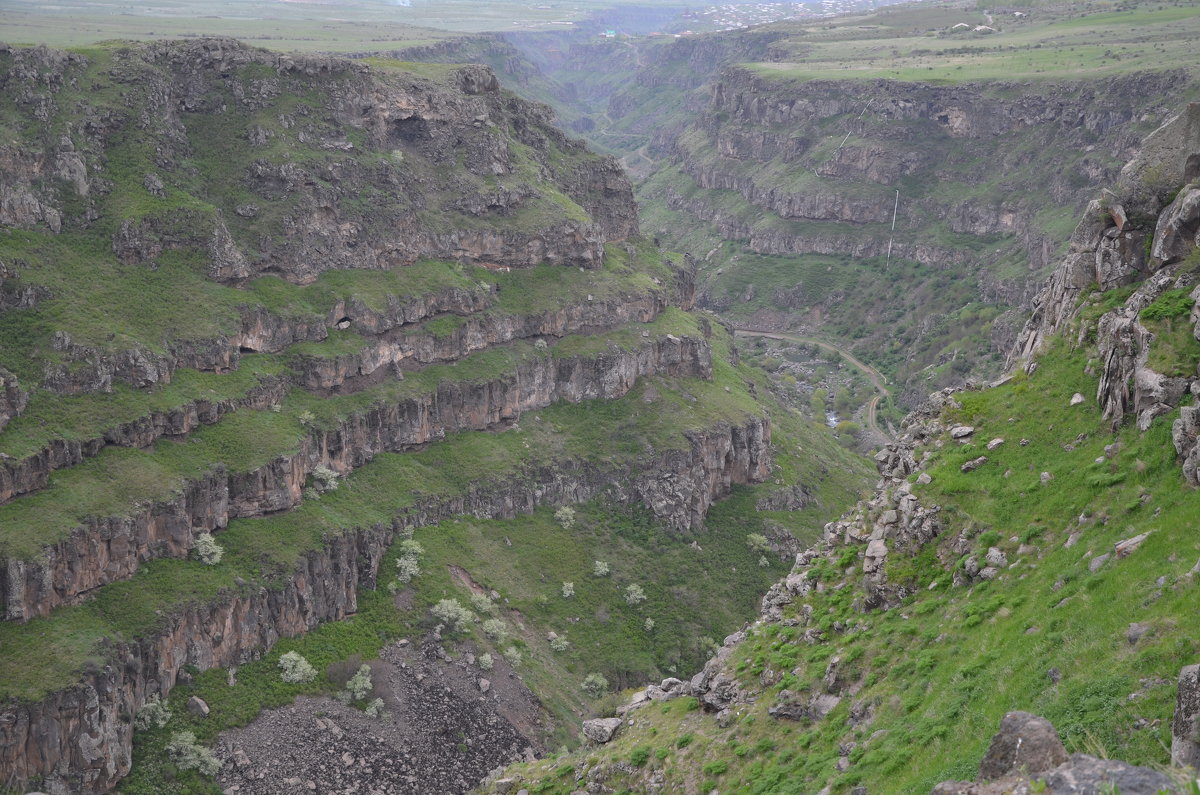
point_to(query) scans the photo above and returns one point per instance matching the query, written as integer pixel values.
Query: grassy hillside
(924, 685)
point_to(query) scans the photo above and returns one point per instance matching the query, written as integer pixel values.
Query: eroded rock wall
(79, 740)
(104, 549)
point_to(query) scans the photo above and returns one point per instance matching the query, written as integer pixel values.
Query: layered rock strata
(394, 341)
(104, 549)
(79, 739)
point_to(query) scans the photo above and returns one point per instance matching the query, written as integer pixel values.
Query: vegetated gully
(875, 377)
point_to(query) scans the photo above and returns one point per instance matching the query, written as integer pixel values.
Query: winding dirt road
(873, 375)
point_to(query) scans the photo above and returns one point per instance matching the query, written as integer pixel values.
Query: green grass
(945, 666)
(119, 481)
(1055, 43)
(557, 437)
(696, 596)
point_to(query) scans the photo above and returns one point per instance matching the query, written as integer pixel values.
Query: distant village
(743, 15)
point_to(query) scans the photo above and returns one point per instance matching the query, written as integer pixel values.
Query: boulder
(601, 730)
(1185, 728)
(961, 431)
(1024, 744)
(197, 706)
(1076, 399)
(974, 463)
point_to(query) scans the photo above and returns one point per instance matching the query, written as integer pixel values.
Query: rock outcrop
(79, 739)
(104, 549)
(1140, 234)
(1027, 750)
(308, 222)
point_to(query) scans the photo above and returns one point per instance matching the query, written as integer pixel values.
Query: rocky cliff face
(79, 740)
(104, 549)
(513, 198)
(816, 169)
(1143, 235)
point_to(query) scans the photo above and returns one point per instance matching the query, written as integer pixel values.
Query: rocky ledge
(79, 739)
(107, 548)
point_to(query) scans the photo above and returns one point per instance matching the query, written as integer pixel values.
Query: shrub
(407, 569)
(306, 418)
(375, 709)
(296, 669)
(324, 479)
(485, 662)
(565, 516)
(763, 562)
(684, 740)
(481, 604)
(1171, 304)
(359, 686)
(634, 594)
(513, 655)
(595, 685)
(758, 542)
(411, 549)
(154, 714)
(559, 643)
(648, 625)
(568, 590)
(600, 568)
(187, 754)
(639, 756)
(452, 614)
(716, 768)
(495, 629)
(207, 550)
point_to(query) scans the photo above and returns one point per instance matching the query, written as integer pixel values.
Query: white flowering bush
(451, 613)
(359, 686)
(634, 594)
(296, 669)
(565, 516)
(595, 685)
(600, 568)
(480, 603)
(154, 714)
(207, 550)
(188, 754)
(485, 662)
(568, 590)
(495, 629)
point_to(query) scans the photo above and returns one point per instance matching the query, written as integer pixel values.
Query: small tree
(154, 714)
(634, 594)
(187, 754)
(359, 686)
(207, 550)
(595, 685)
(482, 604)
(495, 629)
(758, 543)
(453, 615)
(565, 516)
(600, 568)
(296, 669)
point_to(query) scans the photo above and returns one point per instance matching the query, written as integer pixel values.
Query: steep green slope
(266, 317)
(1030, 546)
